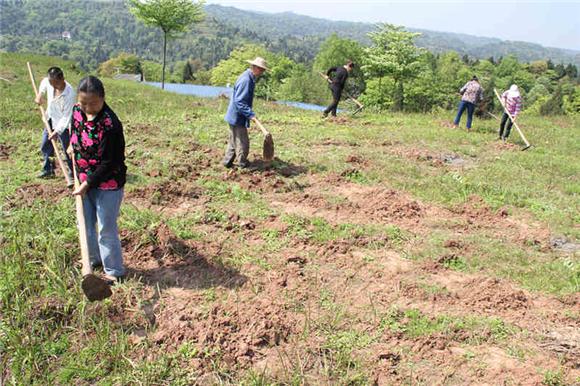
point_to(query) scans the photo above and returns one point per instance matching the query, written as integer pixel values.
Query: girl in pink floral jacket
(99, 155)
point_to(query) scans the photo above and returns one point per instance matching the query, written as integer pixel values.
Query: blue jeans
(48, 150)
(101, 209)
(470, 109)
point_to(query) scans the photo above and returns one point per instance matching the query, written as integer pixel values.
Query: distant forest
(100, 30)
(424, 73)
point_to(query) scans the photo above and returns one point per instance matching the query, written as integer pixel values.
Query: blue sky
(550, 23)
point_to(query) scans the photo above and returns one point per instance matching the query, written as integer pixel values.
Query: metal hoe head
(268, 148)
(95, 288)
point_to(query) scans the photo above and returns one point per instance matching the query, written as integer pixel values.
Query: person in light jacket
(60, 97)
(512, 101)
(471, 94)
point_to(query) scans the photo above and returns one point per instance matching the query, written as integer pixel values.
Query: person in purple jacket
(240, 113)
(512, 101)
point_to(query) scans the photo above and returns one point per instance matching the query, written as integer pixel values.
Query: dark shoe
(46, 174)
(96, 265)
(228, 165)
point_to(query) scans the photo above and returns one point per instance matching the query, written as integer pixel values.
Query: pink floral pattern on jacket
(89, 141)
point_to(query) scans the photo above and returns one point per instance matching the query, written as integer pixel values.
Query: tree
(452, 74)
(538, 67)
(554, 105)
(393, 54)
(228, 70)
(572, 102)
(487, 104)
(571, 71)
(187, 71)
(560, 71)
(172, 16)
(537, 92)
(123, 63)
(303, 86)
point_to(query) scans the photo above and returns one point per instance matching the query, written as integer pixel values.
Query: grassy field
(385, 248)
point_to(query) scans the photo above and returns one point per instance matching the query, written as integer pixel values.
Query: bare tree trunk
(164, 51)
(398, 97)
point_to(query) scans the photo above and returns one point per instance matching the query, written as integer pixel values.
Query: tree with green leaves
(187, 72)
(123, 63)
(394, 54)
(172, 16)
(228, 70)
(554, 105)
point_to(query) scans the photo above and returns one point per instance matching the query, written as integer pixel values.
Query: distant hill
(288, 24)
(100, 29)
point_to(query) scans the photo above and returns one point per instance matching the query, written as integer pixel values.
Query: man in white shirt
(61, 98)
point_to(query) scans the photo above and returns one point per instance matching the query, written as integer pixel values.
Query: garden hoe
(356, 102)
(60, 156)
(513, 121)
(94, 287)
(268, 147)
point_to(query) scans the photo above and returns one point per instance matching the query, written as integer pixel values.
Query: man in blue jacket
(240, 114)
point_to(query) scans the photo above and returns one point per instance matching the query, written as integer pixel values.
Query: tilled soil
(28, 194)
(305, 305)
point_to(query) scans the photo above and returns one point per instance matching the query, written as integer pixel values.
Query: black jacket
(340, 76)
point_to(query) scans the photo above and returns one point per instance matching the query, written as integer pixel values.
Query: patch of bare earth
(168, 196)
(27, 194)
(433, 158)
(239, 327)
(398, 281)
(274, 321)
(5, 151)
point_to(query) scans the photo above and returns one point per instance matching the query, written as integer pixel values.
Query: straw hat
(259, 62)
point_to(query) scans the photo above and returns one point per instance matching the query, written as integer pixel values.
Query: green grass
(472, 330)
(50, 334)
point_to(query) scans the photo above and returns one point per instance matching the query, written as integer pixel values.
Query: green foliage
(187, 74)
(379, 93)
(423, 93)
(123, 63)
(452, 74)
(537, 92)
(151, 71)
(171, 16)
(280, 67)
(395, 55)
(488, 102)
(572, 102)
(304, 86)
(101, 29)
(538, 67)
(554, 105)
